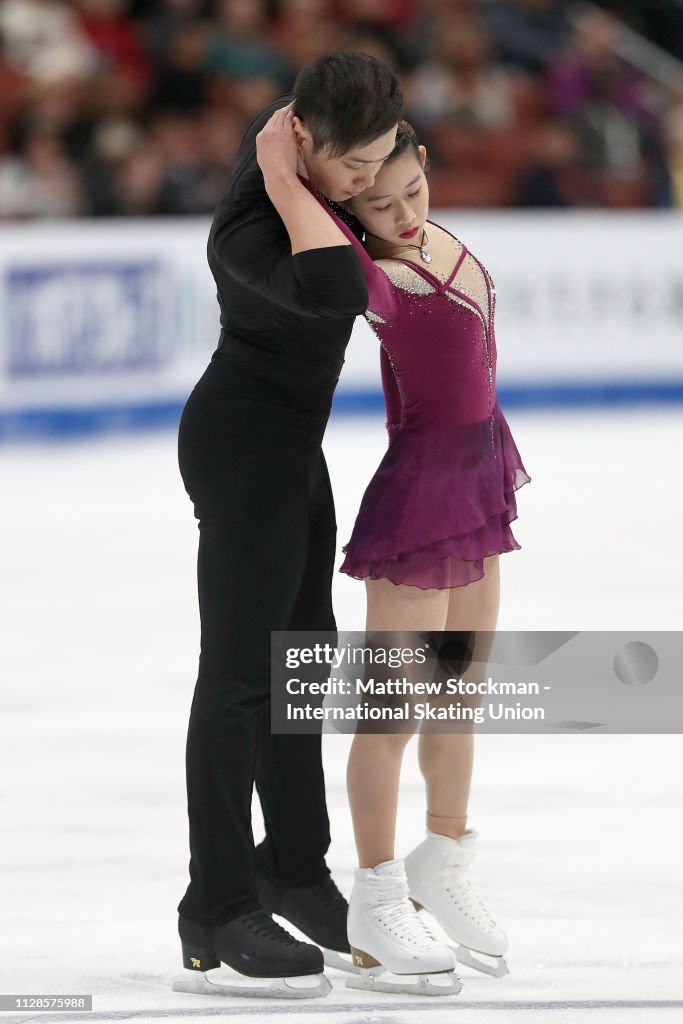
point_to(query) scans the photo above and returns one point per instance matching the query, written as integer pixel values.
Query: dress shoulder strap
(432, 278)
(422, 271)
(454, 272)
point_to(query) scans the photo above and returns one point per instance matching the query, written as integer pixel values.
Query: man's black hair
(347, 99)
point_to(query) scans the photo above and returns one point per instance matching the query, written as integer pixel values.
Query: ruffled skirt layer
(441, 501)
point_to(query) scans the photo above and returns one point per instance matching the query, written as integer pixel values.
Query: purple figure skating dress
(443, 496)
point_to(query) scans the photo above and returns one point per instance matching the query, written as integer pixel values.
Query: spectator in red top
(389, 13)
(14, 91)
(116, 37)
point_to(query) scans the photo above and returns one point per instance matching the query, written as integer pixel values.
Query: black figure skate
(318, 910)
(255, 947)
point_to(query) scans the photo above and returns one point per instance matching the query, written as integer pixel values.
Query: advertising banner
(112, 322)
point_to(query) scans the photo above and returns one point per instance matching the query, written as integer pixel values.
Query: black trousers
(251, 461)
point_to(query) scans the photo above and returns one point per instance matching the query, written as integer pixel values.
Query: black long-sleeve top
(287, 318)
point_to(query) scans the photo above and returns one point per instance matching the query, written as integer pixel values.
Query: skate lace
(263, 927)
(464, 895)
(331, 897)
(398, 914)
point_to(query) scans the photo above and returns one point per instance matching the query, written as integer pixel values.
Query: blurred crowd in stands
(136, 107)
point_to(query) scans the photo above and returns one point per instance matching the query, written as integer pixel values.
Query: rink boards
(106, 323)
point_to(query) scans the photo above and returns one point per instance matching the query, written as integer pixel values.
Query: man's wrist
(281, 178)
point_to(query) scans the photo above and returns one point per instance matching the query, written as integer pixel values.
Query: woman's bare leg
(445, 758)
(374, 766)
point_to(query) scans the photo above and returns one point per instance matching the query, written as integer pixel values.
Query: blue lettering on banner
(76, 318)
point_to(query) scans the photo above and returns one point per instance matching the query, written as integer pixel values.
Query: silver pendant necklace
(424, 255)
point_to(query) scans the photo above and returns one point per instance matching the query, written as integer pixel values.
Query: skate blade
(495, 966)
(309, 986)
(340, 961)
(378, 979)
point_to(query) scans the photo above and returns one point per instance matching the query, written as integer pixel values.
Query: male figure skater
(251, 460)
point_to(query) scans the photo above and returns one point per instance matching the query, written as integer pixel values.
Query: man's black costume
(251, 461)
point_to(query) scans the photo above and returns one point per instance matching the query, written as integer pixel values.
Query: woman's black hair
(405, 137)
(347, 99)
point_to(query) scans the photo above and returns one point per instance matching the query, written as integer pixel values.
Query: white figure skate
(437, 872)
(387, 935)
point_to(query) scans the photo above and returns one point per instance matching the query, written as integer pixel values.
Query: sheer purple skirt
(441, 501)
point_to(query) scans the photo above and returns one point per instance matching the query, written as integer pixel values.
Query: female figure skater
(432, 523)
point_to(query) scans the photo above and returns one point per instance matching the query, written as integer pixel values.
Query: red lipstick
(410, 234)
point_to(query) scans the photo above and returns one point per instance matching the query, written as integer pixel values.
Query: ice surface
(580, 835)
